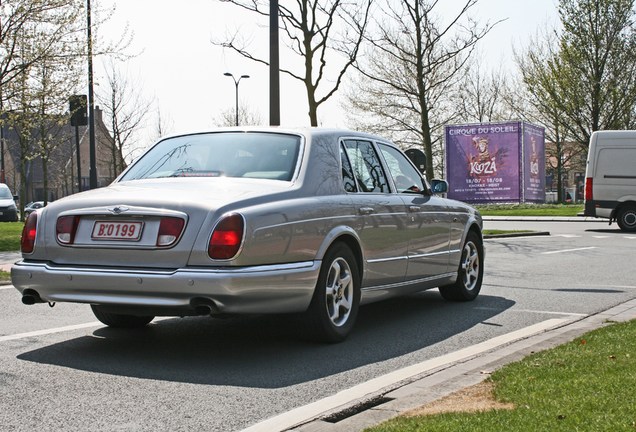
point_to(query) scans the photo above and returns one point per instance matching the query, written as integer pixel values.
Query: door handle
(366, 210)
(414, 209)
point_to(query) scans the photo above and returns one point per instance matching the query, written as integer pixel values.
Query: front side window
(406, 178)
(366, 166)
(226, 154)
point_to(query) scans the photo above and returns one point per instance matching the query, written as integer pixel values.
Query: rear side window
(368, 172)
(348, 178)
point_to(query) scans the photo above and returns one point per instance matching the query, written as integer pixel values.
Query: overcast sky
(183, 71)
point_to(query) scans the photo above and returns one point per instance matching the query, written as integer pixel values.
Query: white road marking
(50, 331)
(308, 412)
(63, 329)
(601, 237)
(568, 250)
(567, 235)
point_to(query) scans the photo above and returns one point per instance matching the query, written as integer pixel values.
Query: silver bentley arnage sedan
(238, 221)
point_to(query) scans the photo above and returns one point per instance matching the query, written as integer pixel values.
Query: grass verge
(568, 210)
(10, 233)
(585, 385)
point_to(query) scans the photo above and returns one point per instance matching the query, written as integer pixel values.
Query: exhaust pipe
(30, 297)
(204, 306)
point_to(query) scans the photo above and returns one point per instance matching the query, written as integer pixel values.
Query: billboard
(495, 162)
(533, 145)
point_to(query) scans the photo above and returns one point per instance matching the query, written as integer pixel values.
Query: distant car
(312, 221)
(32, 206)
(8, 209)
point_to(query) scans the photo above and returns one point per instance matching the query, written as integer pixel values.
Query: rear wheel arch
(347, 236)
(353, 244)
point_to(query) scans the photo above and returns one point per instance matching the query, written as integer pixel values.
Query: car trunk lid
(143, 224)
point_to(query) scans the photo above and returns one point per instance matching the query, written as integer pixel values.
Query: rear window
(224, 154)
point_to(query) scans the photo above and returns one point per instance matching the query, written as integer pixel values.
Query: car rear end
(164, 258)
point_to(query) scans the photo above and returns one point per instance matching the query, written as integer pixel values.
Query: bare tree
(54, 81)
(42, 51)
(598, 65)
(413, 65)
(39, 73)
(538, 97)
(480, 95)
(581, 79)
(587, 72)
(310, 28)
(163, 125)
(227, 117)
(125, 110)
(24, 23)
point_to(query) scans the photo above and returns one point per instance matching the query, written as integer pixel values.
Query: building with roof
(61, 169)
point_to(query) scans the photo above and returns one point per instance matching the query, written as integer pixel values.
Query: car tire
(626, 218)
(334, 306)
(120, 320)
(470, 273)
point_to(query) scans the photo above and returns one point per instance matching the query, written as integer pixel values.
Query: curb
(543, 219)
(517, 234)
(448, 380)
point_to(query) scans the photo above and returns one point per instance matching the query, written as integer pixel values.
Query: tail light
(169, 231)
(227, 237)
(27, 242)
(588, 189)
(65, 229)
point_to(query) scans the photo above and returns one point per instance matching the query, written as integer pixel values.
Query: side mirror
(16, 198)
(439, 186)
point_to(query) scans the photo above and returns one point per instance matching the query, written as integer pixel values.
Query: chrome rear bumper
(261, 289)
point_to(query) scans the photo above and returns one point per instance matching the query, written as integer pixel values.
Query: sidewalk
(450, 379)
(7, 259)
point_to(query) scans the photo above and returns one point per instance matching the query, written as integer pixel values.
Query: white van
(610, 178)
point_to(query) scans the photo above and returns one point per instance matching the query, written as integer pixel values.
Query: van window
(616, 162)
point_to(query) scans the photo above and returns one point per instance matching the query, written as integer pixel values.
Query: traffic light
(78, 110)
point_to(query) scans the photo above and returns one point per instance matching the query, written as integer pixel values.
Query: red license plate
(120, 230)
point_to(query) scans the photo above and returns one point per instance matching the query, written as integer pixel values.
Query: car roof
(304, 131)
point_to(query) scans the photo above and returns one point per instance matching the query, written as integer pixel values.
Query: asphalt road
(61, 370)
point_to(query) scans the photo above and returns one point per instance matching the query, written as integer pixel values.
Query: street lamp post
(92, 169)
(236, 84)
